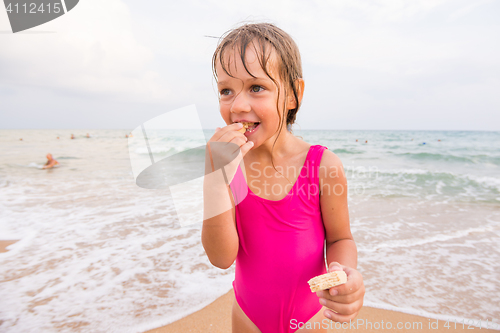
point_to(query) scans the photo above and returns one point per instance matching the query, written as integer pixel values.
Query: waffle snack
(326, 281)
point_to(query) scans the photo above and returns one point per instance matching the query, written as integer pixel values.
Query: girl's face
(252, 99)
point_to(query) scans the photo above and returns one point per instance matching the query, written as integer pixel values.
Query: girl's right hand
(225, 149)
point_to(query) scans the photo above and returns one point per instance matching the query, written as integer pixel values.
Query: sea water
(97, 253)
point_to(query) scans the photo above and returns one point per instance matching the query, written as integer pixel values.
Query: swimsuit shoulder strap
(314, 162)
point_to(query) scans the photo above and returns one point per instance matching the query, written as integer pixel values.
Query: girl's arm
(340, 246)
(219, 235)
(341, 251)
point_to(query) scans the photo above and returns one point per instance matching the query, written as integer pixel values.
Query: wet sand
(4, 244)
(216, 317)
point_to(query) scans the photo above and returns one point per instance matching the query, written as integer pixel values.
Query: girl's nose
(240, 103)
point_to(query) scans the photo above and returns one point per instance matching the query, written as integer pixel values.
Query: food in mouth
(248, 126)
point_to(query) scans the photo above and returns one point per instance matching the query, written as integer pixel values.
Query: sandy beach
(4, 244)
(216, 317)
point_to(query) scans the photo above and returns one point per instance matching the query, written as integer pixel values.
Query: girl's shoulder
(306, 148)
(328, 156)
(331, 169)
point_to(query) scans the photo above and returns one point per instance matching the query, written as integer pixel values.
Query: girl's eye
(257, 88)
(225, 92)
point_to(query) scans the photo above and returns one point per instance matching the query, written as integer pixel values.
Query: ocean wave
(155, 150)
(347, 151)
(472, 159)
(447, 181)
(401, 243)
(34, 165)
(98, 244)
(426, 185)
(171, 150)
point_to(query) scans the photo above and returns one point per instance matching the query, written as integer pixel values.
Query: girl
(291, 199)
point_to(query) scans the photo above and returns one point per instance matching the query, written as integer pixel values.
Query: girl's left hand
(345, 300)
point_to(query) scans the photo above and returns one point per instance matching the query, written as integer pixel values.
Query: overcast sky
(404, 65)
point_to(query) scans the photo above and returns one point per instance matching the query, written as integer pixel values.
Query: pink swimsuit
(281, 247)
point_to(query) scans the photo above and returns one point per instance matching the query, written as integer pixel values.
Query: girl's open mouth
(250, 127)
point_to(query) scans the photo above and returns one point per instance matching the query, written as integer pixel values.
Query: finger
(339, 317)
(231, 147)
(349, 298)
(343, 309)
(243, 145)
(238, 142)
(231, 135)
(354, 283)
(334, 266)
(246, 147)
(229, 128)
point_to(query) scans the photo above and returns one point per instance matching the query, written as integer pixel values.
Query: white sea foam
(95, 262)
(426, 240)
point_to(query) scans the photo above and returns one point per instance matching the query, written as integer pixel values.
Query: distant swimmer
(439, 140)
(51, 162)
(21, 139)
(356, 140)
(57, 138)
(72, 136)
(88, 135)
(366, 141)
(126, 135)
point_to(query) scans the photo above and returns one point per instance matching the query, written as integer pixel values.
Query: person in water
(51, 162)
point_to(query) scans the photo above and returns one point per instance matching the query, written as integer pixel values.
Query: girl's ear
(299, 86)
